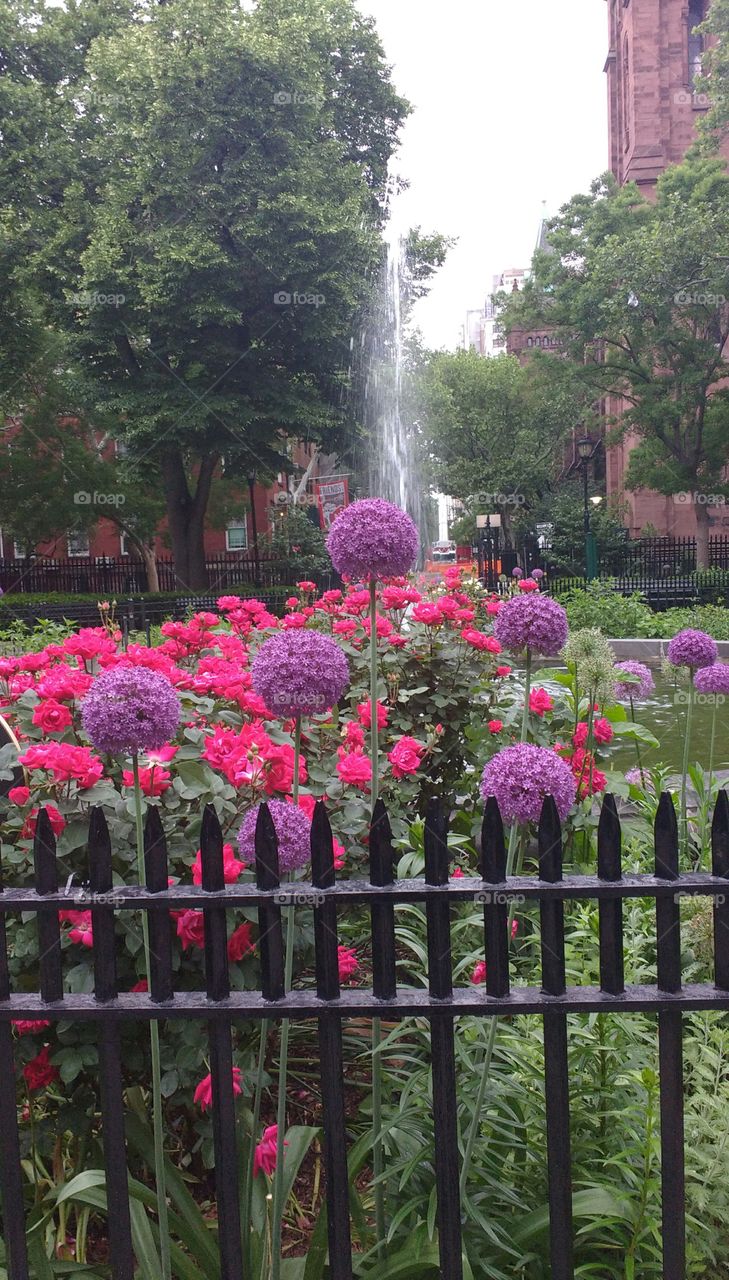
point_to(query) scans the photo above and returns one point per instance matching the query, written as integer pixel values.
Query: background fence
(107, 576)
(218, 1006)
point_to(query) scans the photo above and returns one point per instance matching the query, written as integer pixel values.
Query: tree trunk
(703, 529)
(186, 517)
(150, 564)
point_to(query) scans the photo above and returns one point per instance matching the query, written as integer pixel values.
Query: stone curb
(652, 650)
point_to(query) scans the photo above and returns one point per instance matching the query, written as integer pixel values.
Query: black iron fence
(218, 1005)
(107, 576)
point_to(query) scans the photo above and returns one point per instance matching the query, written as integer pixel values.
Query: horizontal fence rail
(441, 1003)
(124, 575)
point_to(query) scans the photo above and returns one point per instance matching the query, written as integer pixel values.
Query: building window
(530, 342)
(236, 536)
(696, 16)
(18, 550)
(123, 544)
(78, 543)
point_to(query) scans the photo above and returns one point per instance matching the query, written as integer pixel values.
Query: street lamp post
(256, 558)
(586, 449)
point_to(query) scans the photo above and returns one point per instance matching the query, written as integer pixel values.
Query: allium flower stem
(278, 1183)
(637, 744)
(377, 1151)
(712, 740)
(157, 1117)
(511, 859)
(255, 1123)
(297, 757)
(374, 745)
(684, 771)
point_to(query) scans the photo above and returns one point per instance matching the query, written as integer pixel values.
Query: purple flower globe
(517, 572)
(293, 830)
(300, 673)
(643, 685)
(520, 777)
(130, 709)
(534, 622)
(373, 539)
(713, 679)
(692, 649)
(537, 574)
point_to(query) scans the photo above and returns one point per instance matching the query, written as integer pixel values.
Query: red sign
(332, 496)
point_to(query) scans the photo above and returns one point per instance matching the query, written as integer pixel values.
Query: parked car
(443, 552)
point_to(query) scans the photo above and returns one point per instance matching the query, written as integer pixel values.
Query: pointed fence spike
(493, 845)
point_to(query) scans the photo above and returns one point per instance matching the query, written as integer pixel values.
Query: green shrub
(600, 605)
(711, 618)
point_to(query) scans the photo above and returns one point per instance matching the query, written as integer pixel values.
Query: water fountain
(392, 463)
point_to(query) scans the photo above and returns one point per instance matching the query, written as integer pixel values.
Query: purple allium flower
(517, 572)
(537, 574)
(643, 686)
(520, 777)
(713, 679)
(692, 649)
(130, 709)
(534, 621)
(633, 776)
(292, 828)
(373, 539)
(300, 673)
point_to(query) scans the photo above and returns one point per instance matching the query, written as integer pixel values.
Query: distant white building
(480, 333)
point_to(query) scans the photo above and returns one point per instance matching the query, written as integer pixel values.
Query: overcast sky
(509, 110)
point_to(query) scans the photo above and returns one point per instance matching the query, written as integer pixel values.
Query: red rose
(540, 701)
(405, 757)
(355, 770)
(240, 943)
(19, 795)
(39, 1072)
(51, 716)
(495, 726)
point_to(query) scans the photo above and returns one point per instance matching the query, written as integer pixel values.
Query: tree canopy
(192, 207)
(637, 293)
(494, 431)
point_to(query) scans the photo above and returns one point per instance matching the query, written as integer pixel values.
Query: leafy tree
(494, 431)
(636, 292)
(194, 207)
(58, 475)
(715, 81)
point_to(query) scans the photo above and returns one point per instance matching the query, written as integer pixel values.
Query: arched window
(696, 15)
(530, 342)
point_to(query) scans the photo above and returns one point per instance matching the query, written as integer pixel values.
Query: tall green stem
(374, 736)
(637, 744)
(512, 861)
(684, 771)
(378, 1162)
(711, 747)
(157, 1116)
(255, 1122)
(278, 1185)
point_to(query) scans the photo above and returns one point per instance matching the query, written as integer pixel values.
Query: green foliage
(493, 431)
(299, 544)
(200, 265)
(635, 293)
(599, 605)
(566, 512)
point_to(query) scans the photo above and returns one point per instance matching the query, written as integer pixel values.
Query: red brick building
(653, 63)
